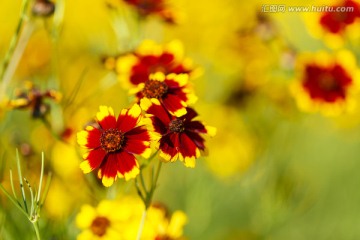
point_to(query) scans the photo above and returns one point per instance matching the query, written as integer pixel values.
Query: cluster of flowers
(119, 219)
(327, 82)
(159, 79)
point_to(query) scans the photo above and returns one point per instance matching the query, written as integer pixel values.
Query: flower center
(328, 84)
(176, 125)
(99, 226)
(154, 89)
(112, 140)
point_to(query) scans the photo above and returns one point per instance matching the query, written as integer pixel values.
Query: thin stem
(16, 57)
(150, 195)
(36, 227)
(143, 181)
(12, 184)
(32, 199)
(14, 39)
(139, 191)
(141, 226)
(21, 180)
(46, 190)
(157, 174)
(41, 176)
(147, 199)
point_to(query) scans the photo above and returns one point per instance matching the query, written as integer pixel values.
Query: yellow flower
(120, 219)
(326, 83)
(99, 222)
(232, 134)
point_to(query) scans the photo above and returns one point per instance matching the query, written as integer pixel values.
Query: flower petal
(169, 147)
(127, 166)
(106, 118)
(90, 138)
(177, 80)
(197, 139)
(174, 105)
(190, 114)
(138, 142)
(188, 151)
(109, 170)
(153, 107)
(129, 118)
(93, 159)
(196, 126)
(85, 217)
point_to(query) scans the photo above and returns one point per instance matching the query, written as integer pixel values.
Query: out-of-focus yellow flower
(59, 201)
(120, 219)
(326, 83)
(66, 162)
(335, 21)
(171, 228)
(231, 134)
(100, 222)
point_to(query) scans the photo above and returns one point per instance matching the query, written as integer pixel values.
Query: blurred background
(273, 171)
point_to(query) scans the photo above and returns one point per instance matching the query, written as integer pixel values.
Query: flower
(149, 57)
(340, 20)
(172, 91)
(179, 137)
(336, 22)
(153, 7)
(167, 229)
(119, 219)
(31, 97)
(113, 144)
(100, 222)
(326, 83)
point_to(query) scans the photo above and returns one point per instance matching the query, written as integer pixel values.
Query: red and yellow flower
(326, 83)
(178, 137)
(149, 58)
(343, 20)
(336, 22)
(172, 91)
(113, 144)
(159, 8)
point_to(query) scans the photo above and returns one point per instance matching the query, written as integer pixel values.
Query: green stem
(21, 180)
(150, 194)
(14, 39)
(143, 181)
(36, 227)
(145, 195)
